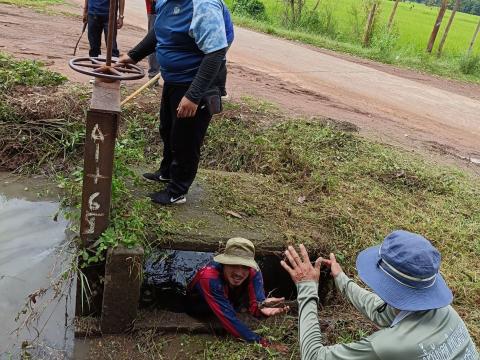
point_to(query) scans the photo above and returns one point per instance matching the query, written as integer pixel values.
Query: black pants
(182, 139)
(96, 25)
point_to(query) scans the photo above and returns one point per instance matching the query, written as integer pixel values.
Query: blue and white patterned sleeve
(208, 25)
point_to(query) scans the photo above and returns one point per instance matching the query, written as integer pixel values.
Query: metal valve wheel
(98, 67)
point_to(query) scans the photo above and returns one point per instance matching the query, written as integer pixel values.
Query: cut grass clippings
(39, 119)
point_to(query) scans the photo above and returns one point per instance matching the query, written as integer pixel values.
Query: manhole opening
(168, 272)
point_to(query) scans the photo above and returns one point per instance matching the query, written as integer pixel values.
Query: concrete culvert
(168, 272)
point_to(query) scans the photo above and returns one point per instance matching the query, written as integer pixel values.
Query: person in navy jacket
(230, 282)
(190, 39)
(96, 15)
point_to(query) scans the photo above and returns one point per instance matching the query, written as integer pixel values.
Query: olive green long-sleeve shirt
(438, 334)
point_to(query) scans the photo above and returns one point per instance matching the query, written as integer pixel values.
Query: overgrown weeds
(253, 8)
(469, 64)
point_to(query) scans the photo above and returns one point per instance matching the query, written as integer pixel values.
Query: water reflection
(31, 256)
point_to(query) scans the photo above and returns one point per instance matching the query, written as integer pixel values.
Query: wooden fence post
(474, 38)
(392, 15)
(447, 29)
(436, 26)
(368, 27)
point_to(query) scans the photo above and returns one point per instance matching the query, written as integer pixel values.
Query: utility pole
(447, 29)
(436, 26)
(470, 48)
(392, 15)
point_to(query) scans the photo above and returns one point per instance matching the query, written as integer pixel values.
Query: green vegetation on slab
(339, 26)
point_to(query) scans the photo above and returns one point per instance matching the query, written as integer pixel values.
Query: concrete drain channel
(144, 294)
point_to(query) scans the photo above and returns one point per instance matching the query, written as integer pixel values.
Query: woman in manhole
(231, 281)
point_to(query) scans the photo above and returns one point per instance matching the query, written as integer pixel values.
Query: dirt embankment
(434, 116)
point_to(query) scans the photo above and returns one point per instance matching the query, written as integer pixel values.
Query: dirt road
(391, 105)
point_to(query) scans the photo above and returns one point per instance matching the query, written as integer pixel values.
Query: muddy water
(32, 255)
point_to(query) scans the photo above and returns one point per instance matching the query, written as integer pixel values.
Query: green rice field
(339, 25)
(413, 23)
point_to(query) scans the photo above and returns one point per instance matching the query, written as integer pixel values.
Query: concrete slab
(210, 230)
(162, 321)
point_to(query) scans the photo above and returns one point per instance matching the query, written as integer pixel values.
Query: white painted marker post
(101, 130)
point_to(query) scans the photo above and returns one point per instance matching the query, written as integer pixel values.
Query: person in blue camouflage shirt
(190, 41)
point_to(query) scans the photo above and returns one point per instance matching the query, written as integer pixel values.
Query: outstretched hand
(334, 266)
(274, 310)
(300, 268)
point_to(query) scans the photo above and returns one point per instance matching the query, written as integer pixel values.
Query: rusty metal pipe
(112, 25)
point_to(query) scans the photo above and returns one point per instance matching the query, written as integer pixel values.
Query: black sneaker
(156, 176)
(166, 198)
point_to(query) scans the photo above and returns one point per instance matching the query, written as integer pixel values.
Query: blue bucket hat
(404, 272)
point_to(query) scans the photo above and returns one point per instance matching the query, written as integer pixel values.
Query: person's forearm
(310, 335)
(364, 301)
(121, 8)
(257, 296)
(206, 75)
(144, 47)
